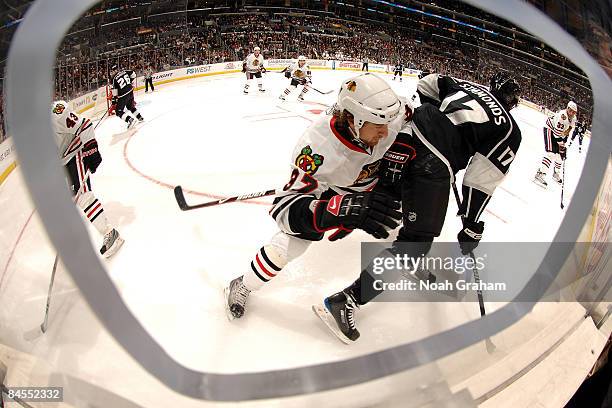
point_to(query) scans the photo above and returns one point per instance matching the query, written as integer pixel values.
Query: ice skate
(539, 179)
(282, 98)
(130, 122)
(140, 118)
(112, 242)
(337, 312)
(236, 295)
(300, 98)
(557, 178)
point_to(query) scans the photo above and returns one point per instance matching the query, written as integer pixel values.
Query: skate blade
(539, 184)
(330, 322)
(114, 248)
(228, 312)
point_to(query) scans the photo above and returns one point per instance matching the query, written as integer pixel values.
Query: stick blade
(180, 198)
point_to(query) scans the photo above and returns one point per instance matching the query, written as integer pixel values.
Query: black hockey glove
(395, 159)
(263, 70)
(470, 235)
(369, 211)
(244, 67)
(91, 156)
(287, 74)
(562, 150)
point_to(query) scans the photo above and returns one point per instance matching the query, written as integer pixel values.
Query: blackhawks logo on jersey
(369, 170)
(309, 162)
(351, 86)
(59, 108)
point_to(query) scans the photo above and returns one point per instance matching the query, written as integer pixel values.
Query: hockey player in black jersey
(460, 125)
(399, 70)
(123, 96)
(579, 131)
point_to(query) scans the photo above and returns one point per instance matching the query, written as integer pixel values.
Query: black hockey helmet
(506, 89)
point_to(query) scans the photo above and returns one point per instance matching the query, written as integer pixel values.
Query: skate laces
(350, 311)
(241, 293)
(109, 239)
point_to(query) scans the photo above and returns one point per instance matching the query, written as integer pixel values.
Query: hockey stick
(100, 121)
(321, 92)
(45, 323)
(474, 271)
(563, 181)
(182, 203)
(488, 343)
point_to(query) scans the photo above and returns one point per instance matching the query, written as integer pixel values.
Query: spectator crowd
(166, 43)
(225, 37)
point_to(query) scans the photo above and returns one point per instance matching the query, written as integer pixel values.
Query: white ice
(206, 136)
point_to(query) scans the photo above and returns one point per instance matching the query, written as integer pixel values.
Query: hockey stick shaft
(563, 182)
(100, 121)
(474, 270)
(45, 323)
(182, 203)
(321, 92)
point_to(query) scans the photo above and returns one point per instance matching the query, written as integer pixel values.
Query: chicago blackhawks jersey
(466, 126)
(71, 131)
(300, 73)
(253, 63)
(325, 163)
(123, 83)
(399, 67)
(560, 125)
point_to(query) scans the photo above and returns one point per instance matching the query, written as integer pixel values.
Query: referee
(149, 79)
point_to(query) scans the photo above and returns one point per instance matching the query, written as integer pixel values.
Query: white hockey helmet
(256, 49)
(368, 98)
(572, 105)
(302, 58)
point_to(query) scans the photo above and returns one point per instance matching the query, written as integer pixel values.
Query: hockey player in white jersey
(300, 74)
(333, 171)
(78, 151)
(253, 67)
(556, 131)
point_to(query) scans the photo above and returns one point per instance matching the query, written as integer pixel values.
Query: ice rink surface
(207, 136)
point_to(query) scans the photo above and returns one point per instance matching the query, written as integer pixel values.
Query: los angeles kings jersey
(123, 83)
(71, 131)
(466, 126)
(326, 163)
